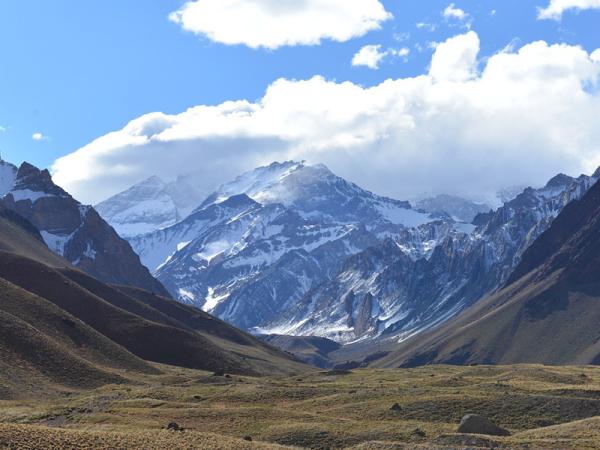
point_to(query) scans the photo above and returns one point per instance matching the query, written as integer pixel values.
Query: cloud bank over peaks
(469, 126)
(276, 23)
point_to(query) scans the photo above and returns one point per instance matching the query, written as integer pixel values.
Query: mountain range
(292, 249)
(257, 245)
(150, 205)
(303, 260)
(392, 291)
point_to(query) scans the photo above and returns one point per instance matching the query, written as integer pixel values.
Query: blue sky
(74, 71)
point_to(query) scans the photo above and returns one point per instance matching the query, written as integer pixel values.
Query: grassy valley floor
(543, 407)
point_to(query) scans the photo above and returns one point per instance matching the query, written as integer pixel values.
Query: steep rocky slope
(396, 289)
(548, 312)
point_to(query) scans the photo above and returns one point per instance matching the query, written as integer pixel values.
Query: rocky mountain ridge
(388, 291)
(547, 312)
(71, 230)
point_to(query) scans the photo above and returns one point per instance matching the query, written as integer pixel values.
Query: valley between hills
(95, 352)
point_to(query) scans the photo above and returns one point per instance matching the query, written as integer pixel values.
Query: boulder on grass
(475, 424)
(174, 426)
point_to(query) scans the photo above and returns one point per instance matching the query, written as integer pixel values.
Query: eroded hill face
(42, 345)
(144, 330)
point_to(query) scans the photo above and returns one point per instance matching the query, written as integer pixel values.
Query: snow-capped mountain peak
(8, 177)
(317, 193)
(559, 181)
(259, 184)
(150, 205)
(259, 243)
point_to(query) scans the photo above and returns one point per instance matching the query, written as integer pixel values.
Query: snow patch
(89, 251)
(26, 194)
(55, 242)
(402, 216)
(8, 176)
(186, 296)
(211, 301)
(182, 245)
(213, 249)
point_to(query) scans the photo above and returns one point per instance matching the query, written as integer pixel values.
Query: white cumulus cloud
(275, 23)
(469, 125)
(371, 56)
(456, 59)
(452, 12)
(38, 136)
(556, 8)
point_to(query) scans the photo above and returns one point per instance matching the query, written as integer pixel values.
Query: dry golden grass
(25, 437)
(543, 407)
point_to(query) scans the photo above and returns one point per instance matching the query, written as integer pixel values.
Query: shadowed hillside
(61, 328)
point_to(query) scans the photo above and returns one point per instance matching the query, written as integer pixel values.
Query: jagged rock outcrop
(75, 231)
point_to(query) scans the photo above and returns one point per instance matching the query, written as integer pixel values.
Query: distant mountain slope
(548, 313)
(74, 231)
(310, 349)
(149, 205)
(458, 208)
